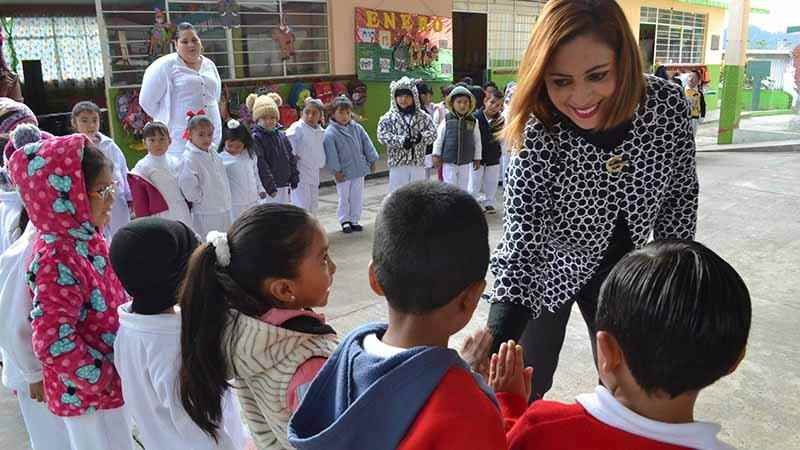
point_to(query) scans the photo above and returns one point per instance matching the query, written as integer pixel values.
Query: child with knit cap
(457, 148)
(150, 256)
(277, 166)
(306, 136)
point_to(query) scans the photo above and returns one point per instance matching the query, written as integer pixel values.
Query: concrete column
(733, 72)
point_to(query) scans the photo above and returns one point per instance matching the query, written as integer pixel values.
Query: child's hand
(339, 177)
(506, 371)
(476, 164)
(37, 391)
(475, 351)
(437, 161)
(262, 194)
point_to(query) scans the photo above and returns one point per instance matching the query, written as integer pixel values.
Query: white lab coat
(204, 182)
(162, 172)
(120, 212)
(147, 353)
(242, 170)
(170, 89)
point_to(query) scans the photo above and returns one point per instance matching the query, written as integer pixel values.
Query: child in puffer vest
(458, 142)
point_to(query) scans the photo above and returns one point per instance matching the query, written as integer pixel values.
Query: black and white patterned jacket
(561, 201)
(393, 128)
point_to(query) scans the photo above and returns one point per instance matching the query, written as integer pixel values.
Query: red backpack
(323, 91)
(288, 115)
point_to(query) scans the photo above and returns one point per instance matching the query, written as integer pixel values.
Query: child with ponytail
(245, 308)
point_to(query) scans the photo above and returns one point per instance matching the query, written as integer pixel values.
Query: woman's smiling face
(581, 79)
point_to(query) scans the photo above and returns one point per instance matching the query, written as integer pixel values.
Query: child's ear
(609, 353)
(472, 295)
(280, 289)
(373, 281)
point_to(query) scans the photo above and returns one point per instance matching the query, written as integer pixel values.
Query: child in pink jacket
(68, 188)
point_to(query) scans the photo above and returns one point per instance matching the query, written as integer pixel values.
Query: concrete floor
(749, 214)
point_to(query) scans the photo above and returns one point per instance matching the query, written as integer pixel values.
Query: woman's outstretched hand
(475, 351)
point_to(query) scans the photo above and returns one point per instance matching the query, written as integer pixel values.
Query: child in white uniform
(161, 170)
(86, 121)
(241, 165)
(306, 137)
(150, 257)
(203, 180)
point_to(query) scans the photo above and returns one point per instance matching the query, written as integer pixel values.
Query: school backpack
(339, 88)
(323, 90)
(298, 94)
(288, 115)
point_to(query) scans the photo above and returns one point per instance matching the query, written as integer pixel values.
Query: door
(469, 46)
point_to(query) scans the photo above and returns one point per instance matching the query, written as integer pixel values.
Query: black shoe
(490, 210)
(347, 228)
(357, 227)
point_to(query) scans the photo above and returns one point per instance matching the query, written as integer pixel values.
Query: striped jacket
(262, 359)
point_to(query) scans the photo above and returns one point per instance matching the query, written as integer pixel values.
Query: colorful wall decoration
(391, 44)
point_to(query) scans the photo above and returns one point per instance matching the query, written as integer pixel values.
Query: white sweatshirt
(147, 353)
(21, 367)
(120, 213)
(204, 182)
(162, 172)
(10, 210)
(242, 170)
(307, 147)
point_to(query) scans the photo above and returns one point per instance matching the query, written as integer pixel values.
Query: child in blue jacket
(350, 156)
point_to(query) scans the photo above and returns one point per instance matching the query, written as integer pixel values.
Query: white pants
(237, 210)
(306, 196)
(107, 429)
(283, 196)
(120, 216)
(483, 184)
(400, 176)
(695, 126)
(46, 430)
(351, 200)
(203, 223)
(457, 175)
(504, 160)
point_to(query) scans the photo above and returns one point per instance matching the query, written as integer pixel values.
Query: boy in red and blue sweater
(673, 318)
(398, 385)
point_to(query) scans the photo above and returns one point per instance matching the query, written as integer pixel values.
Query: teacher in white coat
(180, 82)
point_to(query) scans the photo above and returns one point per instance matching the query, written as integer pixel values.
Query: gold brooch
(616, 164)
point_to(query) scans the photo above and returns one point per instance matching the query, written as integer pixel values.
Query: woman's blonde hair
(560, 22)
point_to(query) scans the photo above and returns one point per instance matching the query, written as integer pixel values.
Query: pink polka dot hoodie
(75, 291)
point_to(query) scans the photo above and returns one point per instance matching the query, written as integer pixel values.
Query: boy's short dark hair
(680, 313)
(431, 242)
(489, 84)
(155, 128)
(83, 107)
(423, 89)
(447, 89)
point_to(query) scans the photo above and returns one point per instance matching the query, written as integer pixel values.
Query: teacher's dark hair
(184, 26)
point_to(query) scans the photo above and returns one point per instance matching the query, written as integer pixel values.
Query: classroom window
(672, 37)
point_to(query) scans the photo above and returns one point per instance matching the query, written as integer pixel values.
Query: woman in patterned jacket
(406, 130)
(604, 157)
(67, 187)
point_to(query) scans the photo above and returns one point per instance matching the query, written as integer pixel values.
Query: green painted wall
(132, 148)
(768, 100)
(712, 97)
(502, 78)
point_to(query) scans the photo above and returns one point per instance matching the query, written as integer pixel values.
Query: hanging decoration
(229, 13)
(284, 36)
(130, 114)
(160, 35)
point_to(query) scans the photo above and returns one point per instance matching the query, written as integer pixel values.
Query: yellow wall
(715, 24)
(342, 23)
